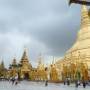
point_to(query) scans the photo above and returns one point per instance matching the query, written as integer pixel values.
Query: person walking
(84, 84)
(76, 84)
(64, 82)
(16, 79)
(46, 83)
(13, 80)
(68, 81)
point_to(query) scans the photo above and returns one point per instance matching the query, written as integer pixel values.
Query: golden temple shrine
(25, 70)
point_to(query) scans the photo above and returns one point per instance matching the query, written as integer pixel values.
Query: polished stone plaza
(25, 85)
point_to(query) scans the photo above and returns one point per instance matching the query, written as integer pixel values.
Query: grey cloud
(51, 22)
(58, 35)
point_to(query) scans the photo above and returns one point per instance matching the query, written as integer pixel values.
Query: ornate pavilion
(25, 70)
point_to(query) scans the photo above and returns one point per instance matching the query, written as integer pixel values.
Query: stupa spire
(40, 62)
(24, 56)
(14, 62)
(85, 19)
(84, 32)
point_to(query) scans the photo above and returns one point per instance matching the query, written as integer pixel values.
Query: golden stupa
(80, 51)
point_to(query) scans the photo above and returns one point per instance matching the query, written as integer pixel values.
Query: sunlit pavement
(26, 85)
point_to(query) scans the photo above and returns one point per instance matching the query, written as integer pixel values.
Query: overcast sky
(43, 26)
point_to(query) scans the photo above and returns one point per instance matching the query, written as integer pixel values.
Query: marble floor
(27, 85)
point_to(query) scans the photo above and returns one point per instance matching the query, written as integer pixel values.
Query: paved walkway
(25, 85)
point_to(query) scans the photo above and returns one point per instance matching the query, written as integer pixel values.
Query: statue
(82, 2)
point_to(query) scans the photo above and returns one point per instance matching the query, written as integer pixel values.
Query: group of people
(67, 81)
(14, 80)
(77, 83)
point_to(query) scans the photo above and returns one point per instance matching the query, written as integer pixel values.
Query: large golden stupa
(80, 51)
(81, 48)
